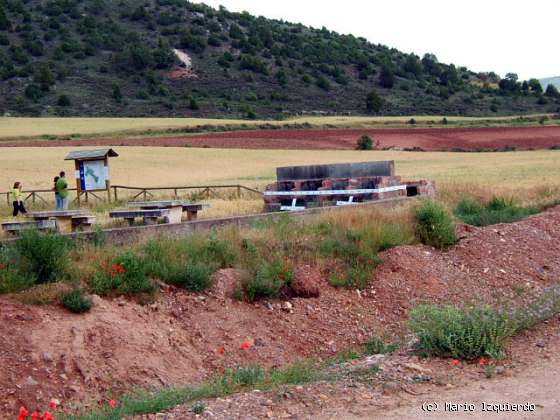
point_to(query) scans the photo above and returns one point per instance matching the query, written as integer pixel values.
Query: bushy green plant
(13, 280)
(364, 143)
(497, 210)
(198, 407)
(43, 255)
(434, 225)
(126, 274)
(357, 276)
(195, 277)
(267, 279)
(462, 333)
(75, 301)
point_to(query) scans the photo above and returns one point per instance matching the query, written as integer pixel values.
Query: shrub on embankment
(342, 246)
(434, 225)
(472, 332)
(497, 210)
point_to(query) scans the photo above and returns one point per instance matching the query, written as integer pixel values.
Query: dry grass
(166, 166)
(530, 175)
(14, 127)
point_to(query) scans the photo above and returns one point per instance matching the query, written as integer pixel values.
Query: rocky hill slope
(172, 57)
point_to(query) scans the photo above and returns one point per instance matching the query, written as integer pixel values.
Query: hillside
(550, 81)
(175, 58)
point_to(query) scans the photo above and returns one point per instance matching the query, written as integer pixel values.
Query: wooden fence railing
(205, 190)
(145, 193)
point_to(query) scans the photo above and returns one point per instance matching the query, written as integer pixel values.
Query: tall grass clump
(190, 262)
(497, 210)
(434, 225)
(267, 278)
(462, 333)
(195, 277)
(124, 274)
(42, 255)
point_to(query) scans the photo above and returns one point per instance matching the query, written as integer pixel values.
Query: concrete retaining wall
(130, 235)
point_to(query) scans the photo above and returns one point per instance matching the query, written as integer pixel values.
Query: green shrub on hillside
(43, 255)
(469, 333)
(76, 302)
(125, 274)
(195, 277)
(434, 225)
(497, 210)
(267, 279)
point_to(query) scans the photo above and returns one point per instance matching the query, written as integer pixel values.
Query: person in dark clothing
(17, 199)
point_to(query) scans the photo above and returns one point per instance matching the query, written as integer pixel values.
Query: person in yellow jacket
(17, 199)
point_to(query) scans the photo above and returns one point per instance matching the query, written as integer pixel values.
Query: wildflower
(112, 403)
(455, 362)
(483, 361)
(23, 413)
(47, 416)
(245, 345)
(36, 416)
(221, 350)
(53, 403)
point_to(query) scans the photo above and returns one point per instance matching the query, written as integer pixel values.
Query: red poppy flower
(36, 416)
(221, 350)
(483, 361)
(53, 403)
(23, 413)
(245, 345)
(47, 416)
(455, 362)
(112, 403)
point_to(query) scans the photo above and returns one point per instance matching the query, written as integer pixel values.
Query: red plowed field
(428, 139)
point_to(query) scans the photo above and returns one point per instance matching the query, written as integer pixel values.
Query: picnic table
(12, 227)
(151, 211)
(66, 220)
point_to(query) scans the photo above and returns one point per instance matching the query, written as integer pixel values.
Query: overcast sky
(483, 35)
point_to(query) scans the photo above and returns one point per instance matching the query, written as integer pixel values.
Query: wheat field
(167, 166)
(529, 176)
(15, 127)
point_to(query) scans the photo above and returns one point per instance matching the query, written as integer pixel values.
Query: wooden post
(239, 191)
(107, 181)
(115, 194)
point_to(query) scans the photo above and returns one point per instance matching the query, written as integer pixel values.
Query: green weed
(434, 225)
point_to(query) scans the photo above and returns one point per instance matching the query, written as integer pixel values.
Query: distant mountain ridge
(176, 58)
(550, 80)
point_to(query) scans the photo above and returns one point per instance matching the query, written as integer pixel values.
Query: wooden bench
(13, 227)
(64, 218)
(175, 207)
(150, 217)
(193, 209)
(82, 222)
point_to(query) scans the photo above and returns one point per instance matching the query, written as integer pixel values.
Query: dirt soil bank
(46, 352)
(428, 139)
(404, 383)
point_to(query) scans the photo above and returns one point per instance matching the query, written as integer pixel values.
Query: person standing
(62, 190)
(57, 201)
(17, 199)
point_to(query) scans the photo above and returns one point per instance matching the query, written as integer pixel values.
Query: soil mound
(46, 352)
